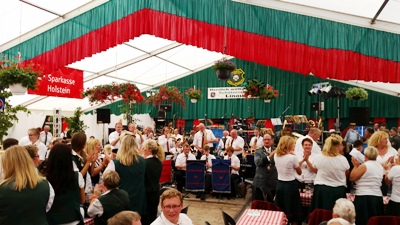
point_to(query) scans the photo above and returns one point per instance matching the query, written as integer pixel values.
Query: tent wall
(292, 87)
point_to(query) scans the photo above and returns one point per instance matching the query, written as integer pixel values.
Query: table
(258, 216)
(306, 197)
(88, 221)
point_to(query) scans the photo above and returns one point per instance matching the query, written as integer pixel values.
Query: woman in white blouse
(386, 154)
(330, 182)
(368, 178)
(392, 176)
(287, 190)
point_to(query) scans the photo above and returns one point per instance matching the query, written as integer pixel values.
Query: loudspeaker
(359, 115)
(161, 114)
(103, 115)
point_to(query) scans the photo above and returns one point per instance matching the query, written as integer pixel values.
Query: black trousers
(152, 200)
(207, 183)
(180, 178)
(234, 182)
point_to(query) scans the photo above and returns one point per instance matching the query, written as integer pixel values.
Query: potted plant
(168, 94)
(8, 118)
(99, 94)
(18, 76)
(254, 89)
(75, 124)
(193, 94)
(268, 93)
(357, 93)
(223, 68)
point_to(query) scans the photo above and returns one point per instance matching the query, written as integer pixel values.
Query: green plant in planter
(269, 93)
(357, 93)
(9, 116)
(74, 123)
(24, 73)
(224, 63)
(192, 93)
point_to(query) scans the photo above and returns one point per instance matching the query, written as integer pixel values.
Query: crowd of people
(60, 177)
(71, 179)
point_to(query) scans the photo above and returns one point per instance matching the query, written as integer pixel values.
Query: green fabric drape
(292, 87)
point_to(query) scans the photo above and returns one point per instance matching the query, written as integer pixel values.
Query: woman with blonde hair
(332, 170)
(386, 154)
(154, 155)
(25, 196)
(287, 190)
(131, 169)
(97, 166)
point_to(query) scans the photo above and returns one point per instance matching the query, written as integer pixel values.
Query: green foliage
(357, 93)
(8, 117)
(74, 123)
(224, 64)
(15, 73)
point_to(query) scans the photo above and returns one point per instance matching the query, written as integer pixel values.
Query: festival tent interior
(151, 43)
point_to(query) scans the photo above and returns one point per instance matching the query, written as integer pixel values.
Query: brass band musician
(202, 138)
(256, 142)
(136, 132)
(165, 141)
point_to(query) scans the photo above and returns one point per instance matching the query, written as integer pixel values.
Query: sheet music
(276, 121)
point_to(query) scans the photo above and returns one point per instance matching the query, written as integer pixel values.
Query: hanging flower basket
(17, 89)
(224, 68)
(254, 89)
(168, 94)
(24, 74)
(268, 93)
(99, 94)
(193, 94)
(267, 100)
(357, 93)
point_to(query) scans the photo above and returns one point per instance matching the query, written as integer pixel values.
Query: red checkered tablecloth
(258, 216)
(88, 221)
(307, 196)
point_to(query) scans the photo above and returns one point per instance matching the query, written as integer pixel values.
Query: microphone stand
(283, 113)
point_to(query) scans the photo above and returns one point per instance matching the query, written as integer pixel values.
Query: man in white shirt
(202, 138)
(180, 165)
(46, 136)
(139, 138)
(178, 138)
(237, 143)
(313, 134)
(256, 141)
(114, 137)
(235, 167)
(147, 133)
(223, 142)
(33, 138)
(208, 183)
(165, 141)
(171, 206)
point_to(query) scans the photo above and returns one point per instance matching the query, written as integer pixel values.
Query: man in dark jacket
(266, 176)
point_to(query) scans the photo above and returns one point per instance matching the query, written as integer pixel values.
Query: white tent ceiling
(149, 61)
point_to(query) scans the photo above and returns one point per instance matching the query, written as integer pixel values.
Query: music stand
(261, 123)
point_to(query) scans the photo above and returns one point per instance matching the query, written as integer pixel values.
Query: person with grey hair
(338, 221)
(344, 209)
(108, 200)
(368, 178)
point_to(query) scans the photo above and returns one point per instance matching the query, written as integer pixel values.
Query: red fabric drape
(269, 51)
